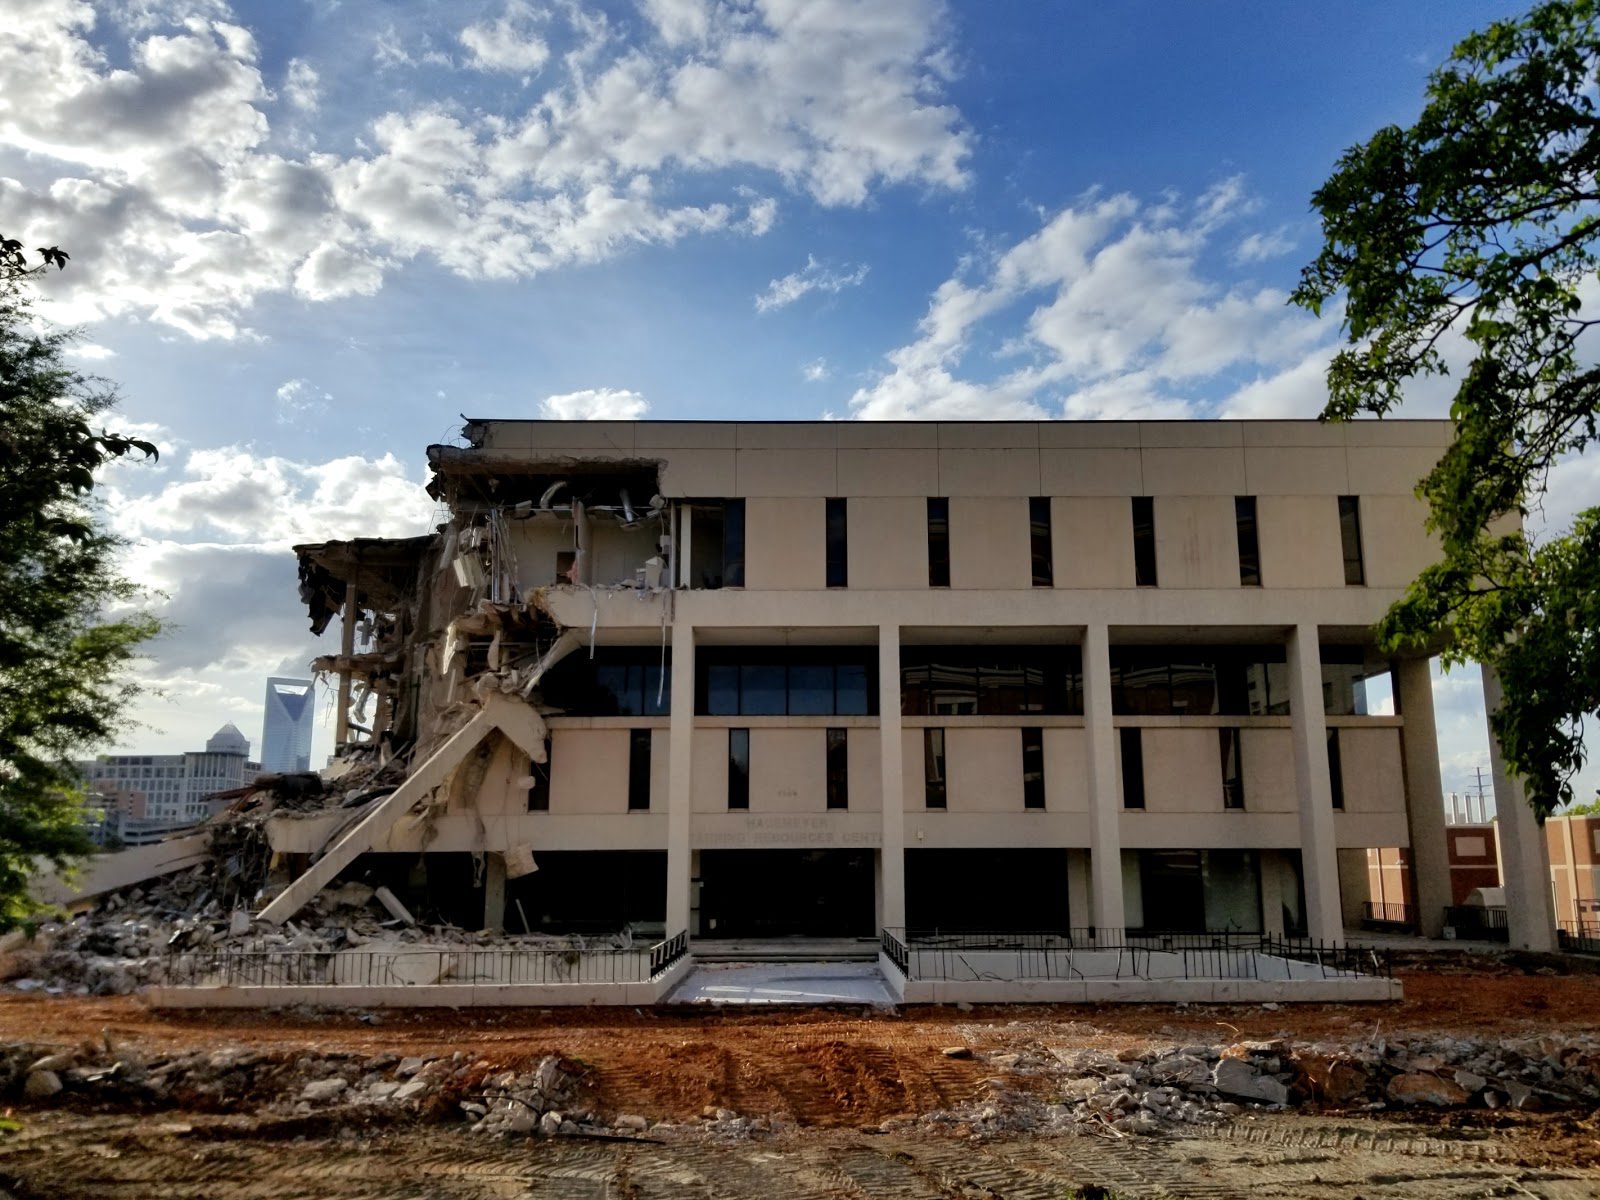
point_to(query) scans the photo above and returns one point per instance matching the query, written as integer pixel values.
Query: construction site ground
(836, 1076)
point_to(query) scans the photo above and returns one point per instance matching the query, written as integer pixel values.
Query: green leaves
(1475, 230)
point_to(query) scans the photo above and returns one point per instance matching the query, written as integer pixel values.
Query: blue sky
(307, 234)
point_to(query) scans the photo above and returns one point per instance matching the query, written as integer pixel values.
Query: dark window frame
(1033, 780)
(738, 770)
(838, 768)
(1230, 748)
(1144, 541)
(733, 543)
(1040, 542)
(935, 769)
(539, 792)
(1130, 745)
(1355, 566)
(938, 541)
(639, 769)
(854, 684)
(1335, 770)
(1249, 537)
(836, 536)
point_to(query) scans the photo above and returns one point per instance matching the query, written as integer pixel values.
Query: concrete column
(892, 857)
(1105, 800)
(1525, 856)
(1308, 730)
(680, 745)
(1419, 754)
(494, 892)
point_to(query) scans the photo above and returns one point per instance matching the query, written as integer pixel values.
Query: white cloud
(91, 351)
(508, 43)
(594, 404)
(816, 370)
(181, 205)
(1108, 312)
(813, 277)
(1258, 247)
(298, 401)
(301, 86)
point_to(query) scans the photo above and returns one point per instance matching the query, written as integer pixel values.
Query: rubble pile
(124, 942)
(1155, 1091)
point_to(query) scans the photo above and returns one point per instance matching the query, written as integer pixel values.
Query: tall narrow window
(1144, 541)
(1335, 770)
(1033, 768)
(539, 789)
(1232, 771)
(838, 768)
(733, 543)
(1244, 518)
(938, 542)
(838, 544)
(638, 770)
(1039, 538)
(738, 769)
(1350, 537)
(933, 791)
(1132, 766)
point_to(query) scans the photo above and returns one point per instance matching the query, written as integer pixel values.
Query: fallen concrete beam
(519, 722)
(124, 868)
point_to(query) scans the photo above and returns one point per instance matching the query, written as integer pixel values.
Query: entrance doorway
(786, 893)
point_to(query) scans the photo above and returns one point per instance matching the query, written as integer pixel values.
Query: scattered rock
(1426, 1089)
(41, 1085)
(957, 1052)
(1236, 1077)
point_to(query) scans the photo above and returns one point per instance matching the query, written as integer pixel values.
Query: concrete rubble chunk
(1426, 1089)
(41, 1085)
(1235, 1077)
(1470, 1082)
(319, 1091)
(392, 903)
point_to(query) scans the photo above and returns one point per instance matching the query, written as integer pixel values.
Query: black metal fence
(664, 954)
(1082, 954)
(1579, 937)
(1387, 913)
(1478, 922)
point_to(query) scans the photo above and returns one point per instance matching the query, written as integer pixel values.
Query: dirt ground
(834, 1075)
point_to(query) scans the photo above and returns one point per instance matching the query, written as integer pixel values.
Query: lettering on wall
(785, 832)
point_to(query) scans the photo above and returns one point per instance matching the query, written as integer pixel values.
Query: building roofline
(902, 421)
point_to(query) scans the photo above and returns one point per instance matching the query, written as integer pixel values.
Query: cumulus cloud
(594, 404)
(508, 43)
(813, 277)
(1258, 247)
(169, 170)
(1106, 311)
(816, 370)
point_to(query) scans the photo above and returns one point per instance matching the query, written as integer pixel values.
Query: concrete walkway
(783, 983)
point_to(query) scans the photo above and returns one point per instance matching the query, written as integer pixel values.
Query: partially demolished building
(831, 679)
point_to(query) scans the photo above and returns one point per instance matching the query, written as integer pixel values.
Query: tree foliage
(1474, 232)
(64, 687)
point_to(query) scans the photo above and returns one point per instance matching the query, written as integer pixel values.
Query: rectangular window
(738, 769)
(1144, 541)
(1039, 540)
(1033, 768)
(638, 770)
(838, 544)
(1350, 537)
(933, 789)
(778, 681)
(1132, 766)
(539, 791)
(938, 542)
(838, 768)
(1244, 518)
(733, 543)
(1335, 770)
(1232, 771)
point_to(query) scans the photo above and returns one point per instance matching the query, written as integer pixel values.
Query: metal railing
(1375, 912)
(1478, 922)
(1082, 954)
(664, 954)
(411, 968)
(1579, 937)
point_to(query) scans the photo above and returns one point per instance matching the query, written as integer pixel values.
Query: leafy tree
(63, 682)
(1475, 231)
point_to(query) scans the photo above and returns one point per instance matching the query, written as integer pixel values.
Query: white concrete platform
(784, 983)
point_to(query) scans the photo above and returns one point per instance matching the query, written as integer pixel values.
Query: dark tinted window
(938, 542)
(1350, 538)
(738, 768)
(1144, 541)
(1232, 769)
(785, 680)
(539, 792)
(1039, 540)
(638, 769)
(1032, 768)
(1232, 681)
(838, 768)
(933, 788)
(852, 690)
(838, 545)
(1335, 769)
(619, 681)
(721, 690)
(733, 543)
(763, 690)
(1244, 516)
(1349, 674)
(990, 680)
(1132, 766)
(811, 689)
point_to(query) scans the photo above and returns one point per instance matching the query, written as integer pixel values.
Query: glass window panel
(657, 691)
(763, 689)
(722, 690)
(852, 690)
(810, 689)
(953, 687)
(1194, 688)
(1001, 689)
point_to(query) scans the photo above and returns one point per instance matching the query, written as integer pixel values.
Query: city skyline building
(287, 725)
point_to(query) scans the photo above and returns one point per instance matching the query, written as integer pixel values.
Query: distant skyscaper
(286, 734)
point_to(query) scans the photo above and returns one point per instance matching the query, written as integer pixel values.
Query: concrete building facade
(828, 679)
(169, 790)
